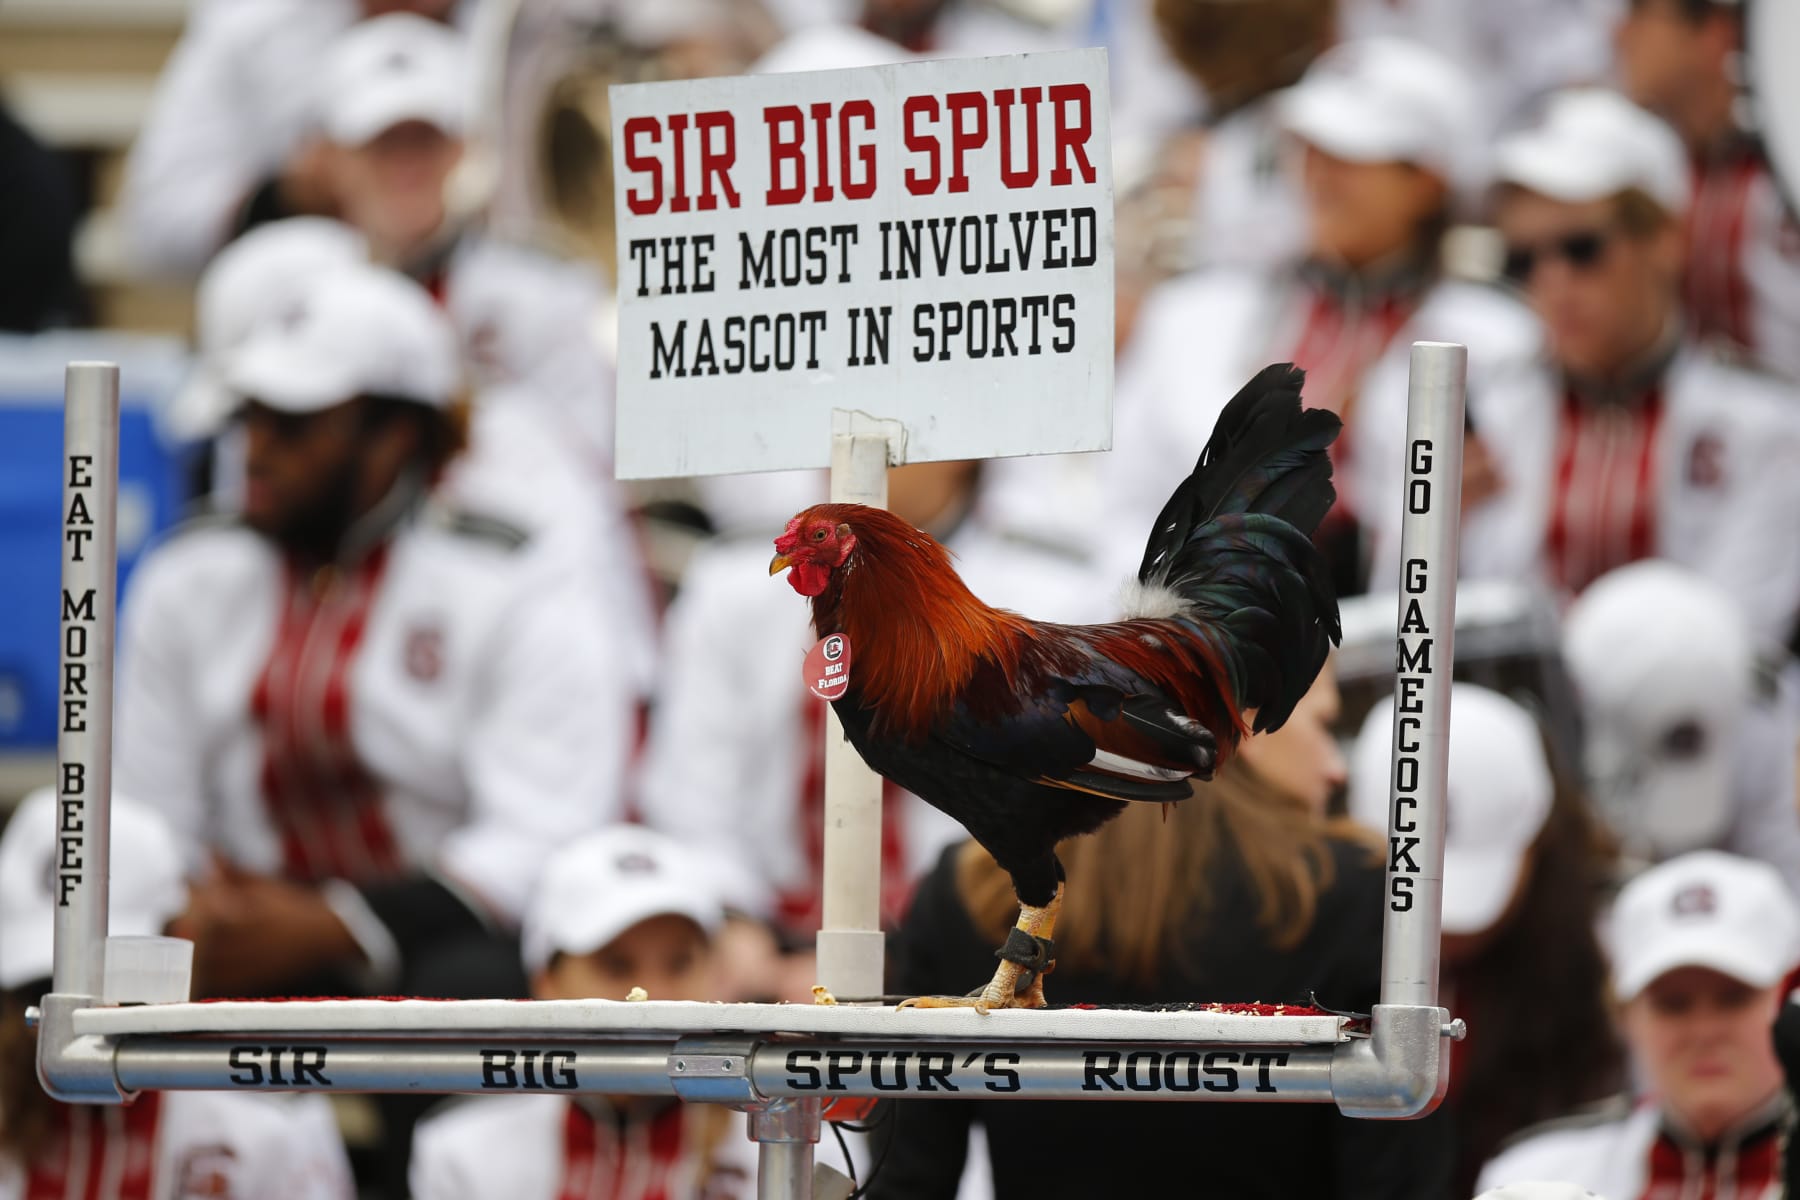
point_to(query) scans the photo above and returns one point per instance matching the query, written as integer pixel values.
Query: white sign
(927, 242)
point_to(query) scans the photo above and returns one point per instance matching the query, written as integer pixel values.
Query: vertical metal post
(90, 481)
(850, 942)
(785, 1131)
(1424, 649)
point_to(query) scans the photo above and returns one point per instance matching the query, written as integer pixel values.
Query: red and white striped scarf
(1341, 332)
(1745, 1164)
(799, 907)
(1603, 487)
(98, 1153)
(1716, 293)
(324, 802)
(663, 1158)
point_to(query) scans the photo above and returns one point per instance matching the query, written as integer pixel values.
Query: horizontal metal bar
(336, 1065)
(777, 1069)
(1114, 1071)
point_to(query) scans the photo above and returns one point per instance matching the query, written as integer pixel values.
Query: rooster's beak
(779, 563)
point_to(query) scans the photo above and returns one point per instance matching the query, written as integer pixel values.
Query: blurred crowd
(422, 701)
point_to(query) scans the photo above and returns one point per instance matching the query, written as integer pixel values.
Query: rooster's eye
(818, 535)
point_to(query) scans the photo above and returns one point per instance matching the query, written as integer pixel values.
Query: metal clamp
(1400, 1070)
(75, 1069)
(714, 1070)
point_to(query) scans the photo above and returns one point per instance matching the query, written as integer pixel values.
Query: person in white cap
(356, 695)
(257, 276)
(1539, 1190)
(1646, 444)
(1523, 879)
(615, 912)
(395, 104)
(1688, 738)
(1683, 59)
(1383, 130)
(163, 1144)
(1701, 946)
(230, 140)
(252, 279)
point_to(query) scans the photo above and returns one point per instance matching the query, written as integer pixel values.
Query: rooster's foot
(1025, 959)
(1002, 991)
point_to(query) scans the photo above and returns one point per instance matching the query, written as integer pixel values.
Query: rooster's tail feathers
(1267, 454)
(1232, 555)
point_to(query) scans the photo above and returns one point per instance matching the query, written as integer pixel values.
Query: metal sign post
(74, 1068)
(1408, 1026)
(1425, 649)
(90, 482)
(851, 946)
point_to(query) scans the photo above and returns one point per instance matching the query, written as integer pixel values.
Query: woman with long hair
(1525, 873)
(1243, 893)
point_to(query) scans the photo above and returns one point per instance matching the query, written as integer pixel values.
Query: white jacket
(546, 1147)
(1202, 337)
(233, 102)
(1728, 462)
(1247, 209)
(729, 750)
(206, 1146)
(1612, 1158)
(1744, 262)
(484, 698)
(529, 325)
(1609, 1158)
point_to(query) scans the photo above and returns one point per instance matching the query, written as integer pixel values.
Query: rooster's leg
(1027, 957)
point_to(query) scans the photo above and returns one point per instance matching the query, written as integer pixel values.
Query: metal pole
(785, 1131)
(850, 942)
(1424, 649)
(801, 1071)
(90, 480)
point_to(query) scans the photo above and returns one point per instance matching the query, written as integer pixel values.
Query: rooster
(1028, 733)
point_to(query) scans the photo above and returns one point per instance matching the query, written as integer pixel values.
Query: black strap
(1035, 954)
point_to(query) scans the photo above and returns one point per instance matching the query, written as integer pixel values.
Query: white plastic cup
(148, 970)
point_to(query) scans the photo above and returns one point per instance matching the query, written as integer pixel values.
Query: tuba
(538, 168)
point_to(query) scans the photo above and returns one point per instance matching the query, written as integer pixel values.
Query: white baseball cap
(1500, 792)
(828, 47)
(1592, 143)
(1706, 909)
(261, 274)
(359, 329)
(1387, 99)
(1536, 1190)
(391, 69)
(145, 893)
(602, 884)
(1663, 663)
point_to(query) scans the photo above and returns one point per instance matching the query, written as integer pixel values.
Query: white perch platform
(603, 1018)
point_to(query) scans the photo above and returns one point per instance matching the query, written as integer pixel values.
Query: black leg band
(1035, 954)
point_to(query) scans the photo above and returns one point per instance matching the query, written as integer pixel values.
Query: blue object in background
(150, 499)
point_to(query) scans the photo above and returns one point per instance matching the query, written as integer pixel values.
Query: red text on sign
(717, 153)
(794, 158)
(962, 124)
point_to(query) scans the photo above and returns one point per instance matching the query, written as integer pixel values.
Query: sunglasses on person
(1582, 250)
